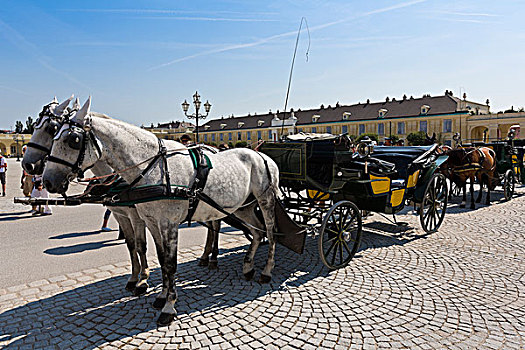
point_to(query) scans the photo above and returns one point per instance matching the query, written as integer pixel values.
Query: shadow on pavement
(103, 311)
(79, 248)
(81, 234)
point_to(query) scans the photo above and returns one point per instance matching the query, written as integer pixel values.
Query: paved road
(460, 288)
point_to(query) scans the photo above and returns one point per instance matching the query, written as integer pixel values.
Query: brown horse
(472, 163)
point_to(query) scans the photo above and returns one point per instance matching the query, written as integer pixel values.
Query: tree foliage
(19, 127)
(417, 138)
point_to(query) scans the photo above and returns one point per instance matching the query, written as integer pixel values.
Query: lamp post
(17, 138)
(196, 116)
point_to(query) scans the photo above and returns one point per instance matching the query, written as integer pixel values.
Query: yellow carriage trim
(397, 197)
(380, 184)
(514, 159)
(318, 195)
(412, 179)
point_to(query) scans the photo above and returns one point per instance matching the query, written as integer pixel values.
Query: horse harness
(470, 166)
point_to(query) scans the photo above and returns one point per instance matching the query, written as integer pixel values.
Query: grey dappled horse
(235, 176)
(133, 228)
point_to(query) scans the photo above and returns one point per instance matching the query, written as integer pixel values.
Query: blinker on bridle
(77, 139)
(54, 124)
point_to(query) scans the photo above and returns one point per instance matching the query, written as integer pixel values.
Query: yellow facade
(8, 144)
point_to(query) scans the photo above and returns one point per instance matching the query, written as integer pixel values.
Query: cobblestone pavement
(462, 288)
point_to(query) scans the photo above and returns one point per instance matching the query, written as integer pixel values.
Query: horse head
(47, 124)
(74, 150)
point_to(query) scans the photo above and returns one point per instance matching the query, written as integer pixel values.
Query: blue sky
(140, 59)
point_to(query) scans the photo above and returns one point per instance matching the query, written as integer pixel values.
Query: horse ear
(76, 105)
(59, 110)
(83, 112)
(55, 101)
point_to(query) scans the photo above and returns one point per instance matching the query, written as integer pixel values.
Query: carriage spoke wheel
(340, 234)
(434, 203)
(508, 184)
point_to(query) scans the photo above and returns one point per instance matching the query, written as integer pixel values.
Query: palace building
(443, 115)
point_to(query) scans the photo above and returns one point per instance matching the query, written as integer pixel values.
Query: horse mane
(100, 115)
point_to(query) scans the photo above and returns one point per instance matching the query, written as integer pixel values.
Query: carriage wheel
(508, 184)
(340, 234)
(434, 204)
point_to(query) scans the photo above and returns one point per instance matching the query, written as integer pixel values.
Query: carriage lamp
(197, 103)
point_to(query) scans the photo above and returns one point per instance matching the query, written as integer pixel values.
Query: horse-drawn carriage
(508, 164)
(326, 185)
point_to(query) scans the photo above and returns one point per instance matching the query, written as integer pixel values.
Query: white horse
(134, 229)
(235, 176)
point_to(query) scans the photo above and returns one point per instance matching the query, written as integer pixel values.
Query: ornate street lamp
(17, 138)
(196, 116)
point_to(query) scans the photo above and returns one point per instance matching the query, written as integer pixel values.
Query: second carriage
(327, 183)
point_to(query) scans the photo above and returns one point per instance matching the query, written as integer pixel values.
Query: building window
(447, 125)
(345, 129)
(239, 136)
(213, 137)
(222, 137)
(269, 134)
(259, 136)
(425, 109)
(382, 112)
(315, 118)
(206, 137)
(423, 126)
(380, 129)
(328, 129)
(347, 115)
(229, 136)
(448, 142)
(361, 129)
(314, 130)
(13, 149)
(401, 128)
(248, 136)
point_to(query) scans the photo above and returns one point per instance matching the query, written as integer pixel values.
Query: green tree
(417, 138)
(19, 127)
(240, 144)
(29, 126)
(372, 136)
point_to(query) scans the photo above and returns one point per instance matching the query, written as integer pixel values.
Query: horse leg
(480, 180)
(247, 267)
(464, 198)
(129, 237)
(268, 210)
(171, 234)
(489, 185)
(205, 258)
(216, 228)
(140, 242)
(472, 205)
(160, 299)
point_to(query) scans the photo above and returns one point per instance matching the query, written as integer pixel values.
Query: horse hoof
(130, 286)
(203, 262)
(249, 275)
(462, 205)
(165, 319)
(159, 303)
(265, 279)
(213, 265)
(140, 290)
(472, 207)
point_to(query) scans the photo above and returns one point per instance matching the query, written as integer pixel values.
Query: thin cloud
(287, 34)
(173, 12)
(11, 89)
(210, 19)
(29, 48)
(467, 14)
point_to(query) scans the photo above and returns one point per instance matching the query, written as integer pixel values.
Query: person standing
(3, 170)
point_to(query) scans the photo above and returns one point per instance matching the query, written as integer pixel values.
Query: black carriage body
(329, 169)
